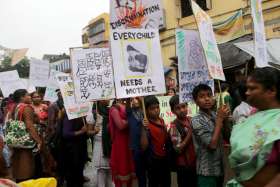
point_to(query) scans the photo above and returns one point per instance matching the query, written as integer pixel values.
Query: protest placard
(92, 74)
(209, 43)
(10, 86)
(9, 75)
(165, 110)
(192, 66)
(259, 34)
(136, 14)
(73, 109)
(137, 61)
(39, 72)
(50, 94)
(29, 87)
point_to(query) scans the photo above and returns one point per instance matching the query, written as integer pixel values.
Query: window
(96, 28)
(186, 9)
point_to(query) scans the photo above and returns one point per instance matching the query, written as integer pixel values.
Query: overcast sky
(46, 26)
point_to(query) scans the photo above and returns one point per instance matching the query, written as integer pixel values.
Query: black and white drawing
(137, 60)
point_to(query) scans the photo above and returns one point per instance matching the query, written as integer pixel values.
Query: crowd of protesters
(132, 145)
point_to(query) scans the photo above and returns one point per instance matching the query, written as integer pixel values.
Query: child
(207, 128)
(158, 169)
(180, 133)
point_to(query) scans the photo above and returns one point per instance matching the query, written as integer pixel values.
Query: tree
(6, 63)
(22, 67)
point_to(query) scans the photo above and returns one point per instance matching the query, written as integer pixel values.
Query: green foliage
(22, 67)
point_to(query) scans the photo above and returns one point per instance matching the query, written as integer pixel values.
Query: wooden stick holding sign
(144, 142)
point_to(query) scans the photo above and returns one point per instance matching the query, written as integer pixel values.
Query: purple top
(68, 128)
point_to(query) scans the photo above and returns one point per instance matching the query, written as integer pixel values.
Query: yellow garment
(42, 182)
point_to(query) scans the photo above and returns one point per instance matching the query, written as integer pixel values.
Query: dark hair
(150, 100)
(241, 88)
(268, 77)
(224, 86)
(33, 93)
(174, 100)
(18, 94)
(198, 88)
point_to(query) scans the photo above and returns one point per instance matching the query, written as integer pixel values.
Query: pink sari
(121, 161)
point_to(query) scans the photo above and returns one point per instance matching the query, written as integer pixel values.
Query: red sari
(121, 161)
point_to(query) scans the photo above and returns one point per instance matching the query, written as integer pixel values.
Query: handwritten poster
(165, 110)
(10, 86)
(137, 62)
(192, 66)
(209, 43)
(92, 74)
(73, 109)
(9, 75)
(259, 34)
(39, 72)
(144, 14)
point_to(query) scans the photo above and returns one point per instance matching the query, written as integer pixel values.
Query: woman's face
(36, 98)
(27, 99)
(135, 103)
(257, 95)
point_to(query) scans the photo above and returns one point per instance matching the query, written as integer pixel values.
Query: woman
(135, 117)
(255, 142)
(121, 156)
(23, 165)
(74, 150)
(40, 109)
(44, 161)
(102, 145)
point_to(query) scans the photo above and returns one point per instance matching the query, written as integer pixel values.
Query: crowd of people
(132, 146)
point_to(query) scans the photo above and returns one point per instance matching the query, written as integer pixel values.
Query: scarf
(251, 142)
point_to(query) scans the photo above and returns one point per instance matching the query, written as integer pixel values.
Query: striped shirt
(208, 162)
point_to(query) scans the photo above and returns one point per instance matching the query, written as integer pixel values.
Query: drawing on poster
(136, 56)
(138, 67)
(136, 14)
(196, 57)
(191, 62)
(137, 62)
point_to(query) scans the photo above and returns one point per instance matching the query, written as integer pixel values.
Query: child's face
(153, 111)
(205, 99)
(181, 110)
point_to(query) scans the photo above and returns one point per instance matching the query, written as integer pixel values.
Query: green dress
(251, 143)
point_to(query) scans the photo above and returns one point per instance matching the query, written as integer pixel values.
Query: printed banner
(209, 43)
(10, 86)
(137, 61)
(39, 72)
(259, 34)
(92, 74)
(230, 29)
(73, 109)
(192, 66)
(9, 75)
(136, 14)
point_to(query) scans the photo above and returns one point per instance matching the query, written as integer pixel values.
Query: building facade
(96, 33)
(179, 15)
